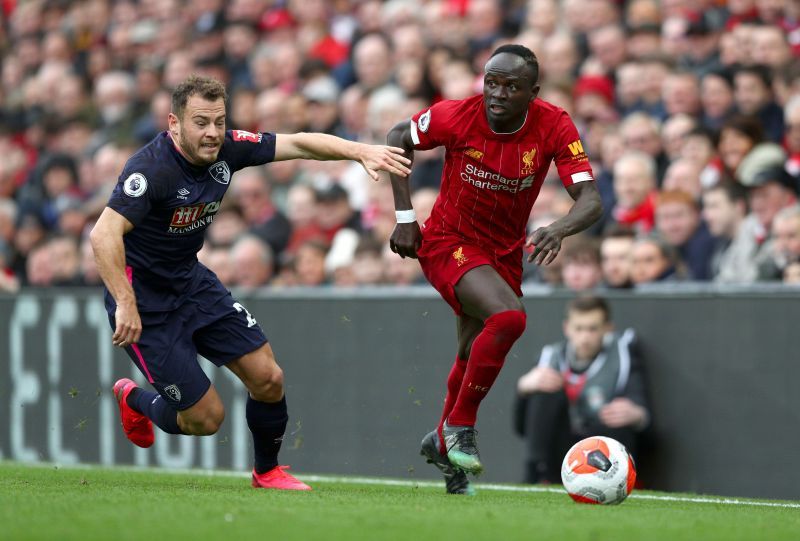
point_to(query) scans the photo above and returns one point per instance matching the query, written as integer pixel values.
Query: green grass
(44, 502)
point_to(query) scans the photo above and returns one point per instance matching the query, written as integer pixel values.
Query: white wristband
(405, 216)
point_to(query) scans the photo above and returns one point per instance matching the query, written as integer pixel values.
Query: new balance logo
(527, 182)
(474, 153)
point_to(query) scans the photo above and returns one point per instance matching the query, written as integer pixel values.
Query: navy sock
(152, 406)
(267, 422)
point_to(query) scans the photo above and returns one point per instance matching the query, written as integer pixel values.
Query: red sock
(489, 351)
(453, 386)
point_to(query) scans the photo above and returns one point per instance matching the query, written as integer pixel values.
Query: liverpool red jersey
(491, 180)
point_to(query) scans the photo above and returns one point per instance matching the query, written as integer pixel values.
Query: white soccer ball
(598, 470)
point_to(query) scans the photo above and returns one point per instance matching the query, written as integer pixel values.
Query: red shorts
(445, 261)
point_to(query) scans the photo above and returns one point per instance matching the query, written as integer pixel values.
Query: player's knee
(268, 387)
(203, 423)
(212, 422)
(509, 325)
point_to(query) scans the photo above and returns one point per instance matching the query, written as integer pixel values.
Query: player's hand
(541, 379)
(376, 158)
(406, 239)
(129, 325)
(621, 412)
(547, 243)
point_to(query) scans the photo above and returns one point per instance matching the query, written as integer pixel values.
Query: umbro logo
(182, 193)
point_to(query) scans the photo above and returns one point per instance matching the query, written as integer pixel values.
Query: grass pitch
(45, 502)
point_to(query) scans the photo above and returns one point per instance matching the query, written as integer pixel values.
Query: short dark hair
(618, 231)
(524, 53)
(589, 303)
(760, 71)
(747, 125)
(734, 191)
(581, 250)
(207, 88)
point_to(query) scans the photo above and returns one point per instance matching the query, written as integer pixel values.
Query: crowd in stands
(689, 111)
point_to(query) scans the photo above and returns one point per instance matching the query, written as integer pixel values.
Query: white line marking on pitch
(427, 484)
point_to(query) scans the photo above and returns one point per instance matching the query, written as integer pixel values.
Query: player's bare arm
(406, 237)
(586, 210)
(321, 146)
(109, 252)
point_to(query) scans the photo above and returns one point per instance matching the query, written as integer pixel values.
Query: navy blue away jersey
(171, 202)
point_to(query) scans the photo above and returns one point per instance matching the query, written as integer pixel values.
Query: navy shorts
(210, 323)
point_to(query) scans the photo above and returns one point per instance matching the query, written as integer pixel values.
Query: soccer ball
(598, 470)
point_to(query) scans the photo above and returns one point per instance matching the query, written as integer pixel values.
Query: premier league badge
(220, 172)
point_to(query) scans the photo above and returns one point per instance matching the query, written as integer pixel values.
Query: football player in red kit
(499, 147)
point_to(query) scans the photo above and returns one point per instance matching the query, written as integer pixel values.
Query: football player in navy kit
(165, 307)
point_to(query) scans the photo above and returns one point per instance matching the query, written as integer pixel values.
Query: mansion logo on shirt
(186, 219)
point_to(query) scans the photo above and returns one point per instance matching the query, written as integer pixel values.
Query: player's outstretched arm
(321, 146)
(586, 210)
(109, 253)
(406, 237)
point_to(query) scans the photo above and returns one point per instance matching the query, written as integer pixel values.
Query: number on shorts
(250, 319)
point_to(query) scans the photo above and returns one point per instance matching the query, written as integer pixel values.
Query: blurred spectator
(309, 263)
(594, 99)
(724, 210)
(29, 233)
(372, 61)
(791, 274)
(653, 260)
(674, 132)
(681, 94)
(716, 98)
(334, 211)
(635, 191)
(771, 189)
(8, 220)
(738, 136)
(368, 267)
(251, 192)
(753, 96)
(580, 266)
(792, 125)
(785, 244)
(85, 83)
(88, 265)
(616, 251)
(252, 262)
(65, 260)
(322, 95)
(679, 224)
(228, 225)
(114, 96)
(590, 384)
(770, 46)
(402, 271)
(9, 283)
(607, 45)
(683, 175)
(39, 266)
(642, 132)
